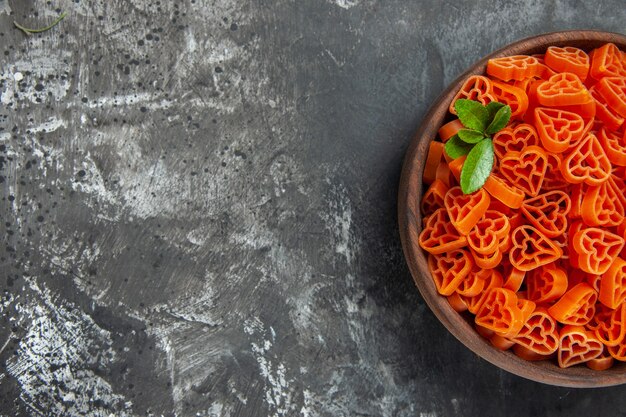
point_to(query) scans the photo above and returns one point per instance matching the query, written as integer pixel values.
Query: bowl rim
(409, 221)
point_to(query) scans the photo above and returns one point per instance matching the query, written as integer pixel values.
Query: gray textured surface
(198, 208)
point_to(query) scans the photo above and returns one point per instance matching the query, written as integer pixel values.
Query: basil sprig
(479, 122)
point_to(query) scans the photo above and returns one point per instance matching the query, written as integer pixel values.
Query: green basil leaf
(477, 166)
(455, 147)
(470, 136)
(472, 114)
(500, 120)
(493, 108)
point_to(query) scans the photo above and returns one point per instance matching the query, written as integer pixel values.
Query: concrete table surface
(198, 208)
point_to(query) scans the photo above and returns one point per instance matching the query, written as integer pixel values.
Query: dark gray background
(198, 208)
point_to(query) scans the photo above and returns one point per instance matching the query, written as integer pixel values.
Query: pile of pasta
(537, 255)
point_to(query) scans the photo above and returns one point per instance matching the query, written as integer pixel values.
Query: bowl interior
(410, 223)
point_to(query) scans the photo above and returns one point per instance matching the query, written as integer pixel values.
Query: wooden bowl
(410, 222)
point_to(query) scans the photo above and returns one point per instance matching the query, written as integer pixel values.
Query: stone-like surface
(198, 205)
